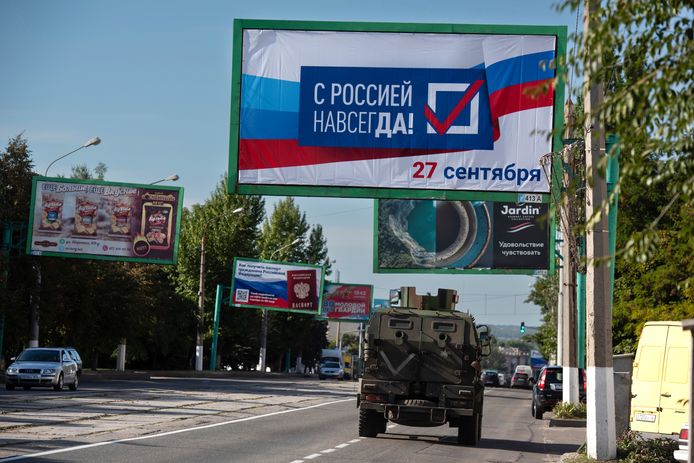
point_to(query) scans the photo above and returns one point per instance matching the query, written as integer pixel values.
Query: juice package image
(156, 224)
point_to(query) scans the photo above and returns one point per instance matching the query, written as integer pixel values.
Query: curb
(567, 423)
(568, 457)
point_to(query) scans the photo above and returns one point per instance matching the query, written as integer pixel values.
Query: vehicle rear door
(674, 391)
(646, 380)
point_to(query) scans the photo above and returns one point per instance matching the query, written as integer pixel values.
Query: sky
(153, 80)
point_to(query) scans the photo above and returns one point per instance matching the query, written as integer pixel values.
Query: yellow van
(660, 379)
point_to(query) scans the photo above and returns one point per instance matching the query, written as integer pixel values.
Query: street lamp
(263, 322)
(91, 142)
(36, 266)
(201, 297)
(170, 178)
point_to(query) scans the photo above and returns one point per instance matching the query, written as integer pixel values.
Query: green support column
(581, 309)
(215, 331)
(612, 180)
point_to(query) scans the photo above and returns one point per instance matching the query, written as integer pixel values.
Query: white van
(660, 379)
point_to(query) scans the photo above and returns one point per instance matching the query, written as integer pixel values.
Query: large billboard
(280, 286)
(426, 236)
(393, 110)
(92, 219)
(346, 301)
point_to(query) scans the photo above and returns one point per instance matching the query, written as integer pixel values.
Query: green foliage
(298, 333)
(15, 180)
(632, 448)
(545, 293)
(569, 410)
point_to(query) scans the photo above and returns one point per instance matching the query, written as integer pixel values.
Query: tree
(294, 332)
(643, 53)
(545, 293)
(227, 235)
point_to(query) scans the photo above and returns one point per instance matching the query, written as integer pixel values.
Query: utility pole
(201, 308)
(600, 425)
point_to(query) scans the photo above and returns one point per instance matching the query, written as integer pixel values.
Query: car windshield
(331, 365)
(39, 355)
(521, 376)
(553, 376)
(490, 373)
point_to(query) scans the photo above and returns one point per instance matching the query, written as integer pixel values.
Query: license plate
(30, 377)
(647, 417)
(556, 386)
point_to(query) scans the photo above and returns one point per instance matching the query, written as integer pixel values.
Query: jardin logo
(395, 108)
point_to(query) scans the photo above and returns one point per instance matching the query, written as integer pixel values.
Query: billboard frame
(233, 186)
(275, 309)
(143, 260)
(546, 199)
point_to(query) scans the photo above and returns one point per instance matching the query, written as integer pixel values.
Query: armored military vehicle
(422, 367)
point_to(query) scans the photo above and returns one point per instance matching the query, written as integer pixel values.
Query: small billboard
(346, 301)
(426, 236)
(393, 110)
(93, 219)
(283, 286)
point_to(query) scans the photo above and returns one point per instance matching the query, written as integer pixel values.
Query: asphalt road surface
(274, 421)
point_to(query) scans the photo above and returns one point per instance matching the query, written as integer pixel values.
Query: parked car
(548, 389)
(331, 370)
(520, 380)
(490, 378)
(42, 367)
(682, 453)
(76, 357)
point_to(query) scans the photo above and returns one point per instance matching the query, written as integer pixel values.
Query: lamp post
(201, 299)
(263, 321)
(91, 142)
(170, 178)
(35, 296)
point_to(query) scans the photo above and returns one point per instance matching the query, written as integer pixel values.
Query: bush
(569, 410)
(632, 448)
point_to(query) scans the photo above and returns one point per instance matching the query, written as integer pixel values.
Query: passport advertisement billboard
(380, 109)
(277, 286)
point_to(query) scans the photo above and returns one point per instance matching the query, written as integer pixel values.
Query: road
(248, 420)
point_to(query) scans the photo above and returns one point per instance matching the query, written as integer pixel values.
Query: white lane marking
(354, 441)
(168, 433)
(328, 451)
(312, 456)
(297, 461)
(341, 446)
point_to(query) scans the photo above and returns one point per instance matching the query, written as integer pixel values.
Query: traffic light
(522, 328)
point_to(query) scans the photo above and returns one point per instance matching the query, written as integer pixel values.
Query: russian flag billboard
(362, 109)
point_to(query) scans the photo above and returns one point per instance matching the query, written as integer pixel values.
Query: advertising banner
(343, 301)
(462, 236)
(277, 286)
(393, 107)
(93, 219)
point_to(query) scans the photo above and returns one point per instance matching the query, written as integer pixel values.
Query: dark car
(520, 380)
(76, 357)
(547, 391)
(490, 378)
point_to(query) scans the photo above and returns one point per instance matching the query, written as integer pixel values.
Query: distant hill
(502, 332)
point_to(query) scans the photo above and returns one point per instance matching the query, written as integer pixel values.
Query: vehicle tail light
(541, 381)
(585, 382)
(684, 434)
(374, 398)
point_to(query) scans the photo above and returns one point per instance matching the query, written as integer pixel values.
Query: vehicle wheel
(370, 423)
(537, 412)
(470, 430)
(9, 387)
(59, 386)
(73, 386)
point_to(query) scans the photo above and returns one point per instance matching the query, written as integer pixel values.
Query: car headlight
(12, 371)
(48, 371)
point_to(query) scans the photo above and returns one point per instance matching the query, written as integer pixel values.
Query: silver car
(42, 367)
